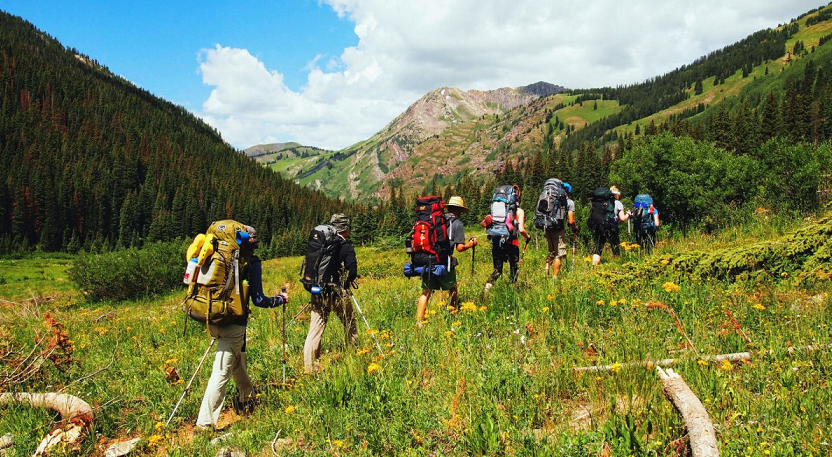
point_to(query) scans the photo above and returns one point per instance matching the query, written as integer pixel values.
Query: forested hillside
(89, 160)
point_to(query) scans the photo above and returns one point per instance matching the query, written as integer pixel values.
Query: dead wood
(76, 414)
(732, 357)
(700, 428)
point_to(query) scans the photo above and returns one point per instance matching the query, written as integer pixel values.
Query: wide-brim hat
(457, 202)
(615, 190)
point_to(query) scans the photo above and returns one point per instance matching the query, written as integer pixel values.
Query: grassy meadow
(495, 378)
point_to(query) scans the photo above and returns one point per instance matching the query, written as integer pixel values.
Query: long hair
(517, 192)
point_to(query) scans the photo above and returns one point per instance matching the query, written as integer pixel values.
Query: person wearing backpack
(606, 212)
(332, 294)
(455, 207)
(230, 360)
(645, 220)
(505, 224)
(556, 235)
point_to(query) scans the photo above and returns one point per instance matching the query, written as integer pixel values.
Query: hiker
(506, 222)
(455, 207)
(645, 220)
(606, 213)
(556, 236)
(333, 295)
(230, 361)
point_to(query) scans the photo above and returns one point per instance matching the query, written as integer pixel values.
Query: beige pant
(556, 240)
(230, 362)
(321, 307)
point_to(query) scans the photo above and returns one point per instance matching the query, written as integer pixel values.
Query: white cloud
(406, 49)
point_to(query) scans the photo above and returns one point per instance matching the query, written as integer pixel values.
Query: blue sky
(330, 73)
(156, 44)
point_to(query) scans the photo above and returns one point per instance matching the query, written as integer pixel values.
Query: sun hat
(458, 202)
(340, 221)
(615, 190)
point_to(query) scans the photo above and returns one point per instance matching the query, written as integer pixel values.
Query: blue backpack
(643, 211)
(503, 212)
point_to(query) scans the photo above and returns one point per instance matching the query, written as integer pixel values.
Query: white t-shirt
(618, 207)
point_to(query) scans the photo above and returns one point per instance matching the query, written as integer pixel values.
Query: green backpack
(216, 293)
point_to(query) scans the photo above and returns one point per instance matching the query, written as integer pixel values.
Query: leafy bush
(130, 273)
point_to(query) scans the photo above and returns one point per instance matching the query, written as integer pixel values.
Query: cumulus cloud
(406, 49)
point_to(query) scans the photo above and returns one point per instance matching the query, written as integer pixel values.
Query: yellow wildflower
(373, 367)
(469, 306)
(457, 324)
(615, 367)
(702, 362)
(670, 287)
(159, 425)
(759, 306)
(338, 443)
(153, 439)
(289, 409)
(449, 333)
(726, 365)
(550, 297)
(483, 308)
(545, 309)
(600, 303)
(362, 351)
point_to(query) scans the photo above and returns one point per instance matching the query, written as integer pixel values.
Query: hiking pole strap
(213, 340)
(367, 324)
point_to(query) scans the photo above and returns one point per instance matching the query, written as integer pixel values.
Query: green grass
(495, 378)
(34, 275)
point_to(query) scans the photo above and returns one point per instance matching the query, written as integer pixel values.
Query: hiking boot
(244, 407)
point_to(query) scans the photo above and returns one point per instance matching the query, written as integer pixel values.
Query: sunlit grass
(497, 376)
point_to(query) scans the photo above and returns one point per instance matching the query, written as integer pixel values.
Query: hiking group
(223, 274)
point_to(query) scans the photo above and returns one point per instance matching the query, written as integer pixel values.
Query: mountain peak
(542, 89)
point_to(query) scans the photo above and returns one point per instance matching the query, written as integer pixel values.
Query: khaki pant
(339, 303)
(556, 241)
(230, 362)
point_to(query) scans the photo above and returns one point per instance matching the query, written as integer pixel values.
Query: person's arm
(622, 215)
(466, 246)
(350, 263)
(255, 287)
(521, 223)
(656, 217)
(570, 215)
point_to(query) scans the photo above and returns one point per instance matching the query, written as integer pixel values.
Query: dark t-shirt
(457, 228)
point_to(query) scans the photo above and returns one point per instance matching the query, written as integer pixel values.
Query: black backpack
(602, 210)
(320, 262)
(551, 206)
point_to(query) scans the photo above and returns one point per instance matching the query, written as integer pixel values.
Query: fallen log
(700, 428)
(76, 415)
(732, 357)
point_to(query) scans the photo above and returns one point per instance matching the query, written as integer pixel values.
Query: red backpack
(429, 243)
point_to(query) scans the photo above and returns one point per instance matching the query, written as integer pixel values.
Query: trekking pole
(523, 254)
(283, 290)
(191, 381)
(300, 312)
(473, 253)
(574, 236)
(366, 323)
